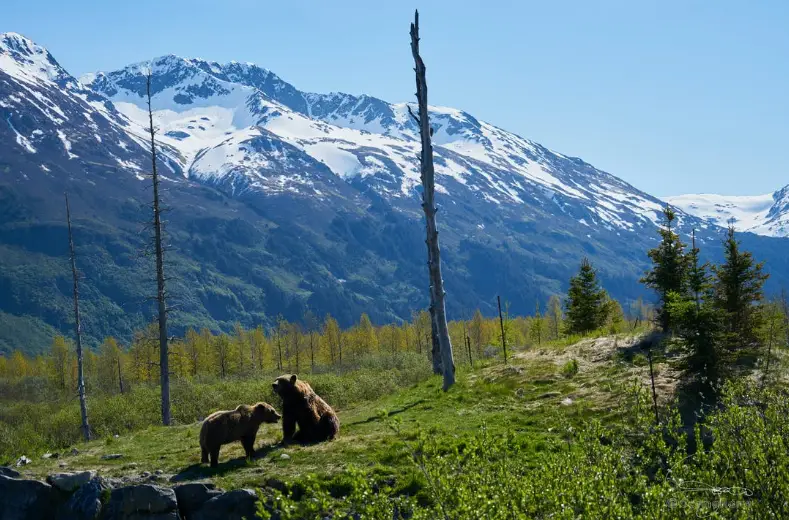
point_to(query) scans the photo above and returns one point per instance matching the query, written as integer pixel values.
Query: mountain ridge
(284, 201)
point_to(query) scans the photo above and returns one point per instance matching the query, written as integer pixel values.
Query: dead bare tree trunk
(652, 378)
(161, 294)
(120, 376)
(785, 307)
(503, 334)
(435, 352)
(83, 405)
(429, 206)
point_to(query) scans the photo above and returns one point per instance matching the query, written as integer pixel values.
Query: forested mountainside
(282, 201)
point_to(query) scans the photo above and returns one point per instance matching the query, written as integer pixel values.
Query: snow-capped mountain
(51, 116)
(761, 214)
(282, 200)
(215, 115)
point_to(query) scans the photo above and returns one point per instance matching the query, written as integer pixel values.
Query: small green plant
(570, 368)
(640, 360)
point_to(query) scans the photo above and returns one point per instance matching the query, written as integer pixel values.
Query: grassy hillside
(565, 431)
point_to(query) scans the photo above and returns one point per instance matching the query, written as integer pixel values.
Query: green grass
(523, 440)
(379, 418)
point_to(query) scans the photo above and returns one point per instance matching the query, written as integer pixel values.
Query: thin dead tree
(83, 405)
(435, 350)
(503, 334)
(652, 378)
(161, 293)
(437, 294)
(785, 307)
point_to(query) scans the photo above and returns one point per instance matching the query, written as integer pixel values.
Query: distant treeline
(314, 345)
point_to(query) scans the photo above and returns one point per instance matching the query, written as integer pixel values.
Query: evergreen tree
(697, 321)
(669, 267)
(586, 301)
(737, 288)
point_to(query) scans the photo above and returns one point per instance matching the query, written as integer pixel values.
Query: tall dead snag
(503, 334)
(437, 294)
(83, 405)
(161, 294)
(435, 352)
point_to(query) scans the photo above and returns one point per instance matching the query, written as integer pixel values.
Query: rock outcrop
(85, 496)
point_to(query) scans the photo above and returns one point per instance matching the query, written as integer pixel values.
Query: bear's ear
(293, 379)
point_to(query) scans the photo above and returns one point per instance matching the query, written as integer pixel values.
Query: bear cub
(226, 426)
(301, 406)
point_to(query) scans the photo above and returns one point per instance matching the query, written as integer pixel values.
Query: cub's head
(265, 413)
(285, 385)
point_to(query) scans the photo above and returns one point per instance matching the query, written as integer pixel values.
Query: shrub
(570, 368)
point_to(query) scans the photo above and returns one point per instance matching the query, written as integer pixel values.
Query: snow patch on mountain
(23, 59)
(761, 214)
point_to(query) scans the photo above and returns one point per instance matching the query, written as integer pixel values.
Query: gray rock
(26, 500)
(68, 482)
(85, 503)
(74, 451)
(192, 496)
(233, 505)
(22, 461)
(111, 456)
(284, 456)
(141, 502)
(8, 472)
(276, 483)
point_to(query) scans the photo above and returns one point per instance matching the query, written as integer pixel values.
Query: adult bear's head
(290, 386)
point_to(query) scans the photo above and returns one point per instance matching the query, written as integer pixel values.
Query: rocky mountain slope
(282, 201)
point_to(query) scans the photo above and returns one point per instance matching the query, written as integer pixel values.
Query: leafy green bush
(570, 368)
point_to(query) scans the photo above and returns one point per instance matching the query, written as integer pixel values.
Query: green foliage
(669, 267)
(586, 301)
(570, 368)
(633, 470)
(738, 286)
(28, 428)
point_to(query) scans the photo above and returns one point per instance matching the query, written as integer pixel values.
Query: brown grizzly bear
(226, 426)
(301, 405)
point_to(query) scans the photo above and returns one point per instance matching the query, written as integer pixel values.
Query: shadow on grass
(389, 414)
(201, 471)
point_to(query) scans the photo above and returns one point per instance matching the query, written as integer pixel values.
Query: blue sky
(674, 96)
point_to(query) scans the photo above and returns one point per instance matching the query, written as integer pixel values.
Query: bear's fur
(303, 407)
(226, 426)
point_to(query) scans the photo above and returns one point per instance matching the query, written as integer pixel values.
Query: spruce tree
(586, 301)
(669, 267)
(738, 288)
(697, 320)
